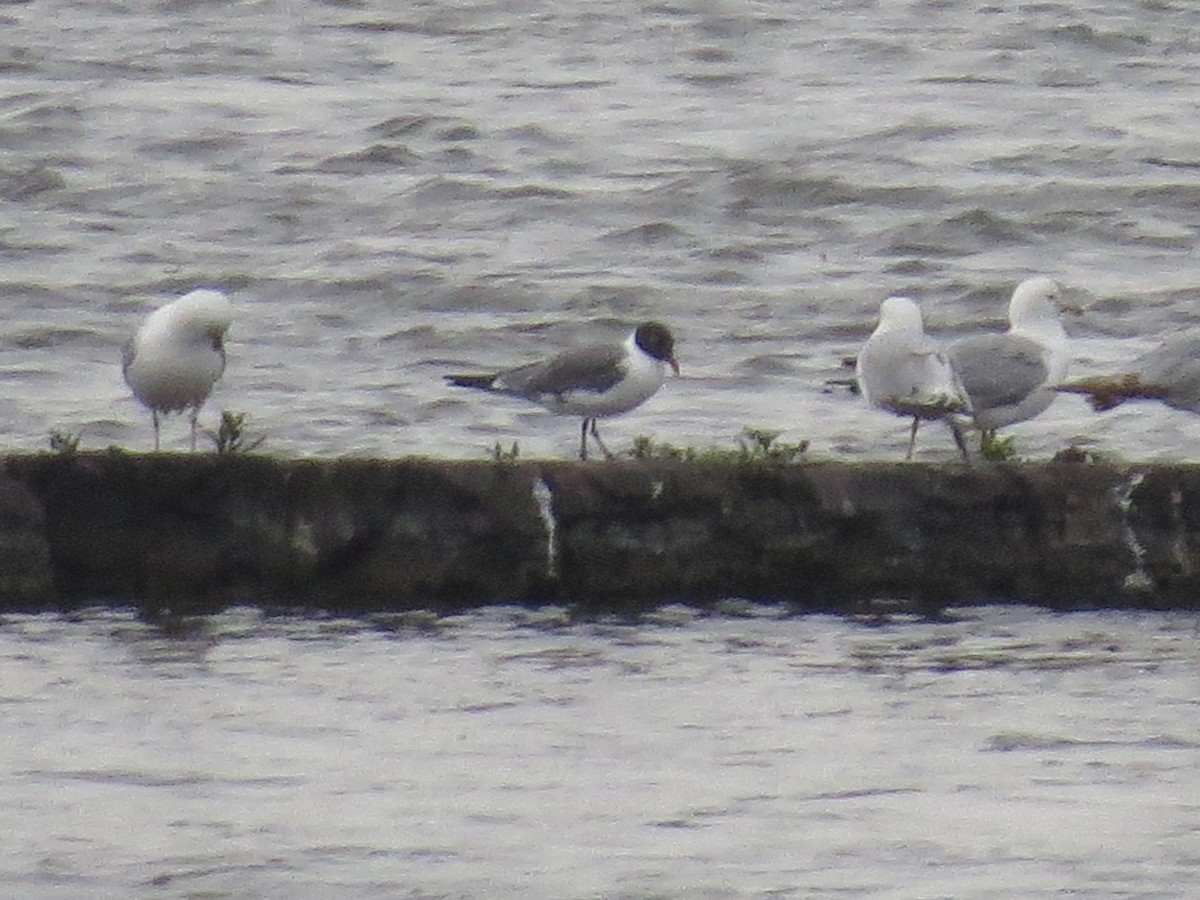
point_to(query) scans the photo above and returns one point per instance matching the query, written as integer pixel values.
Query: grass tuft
(65, 443)
(754, 446)
(231, 436)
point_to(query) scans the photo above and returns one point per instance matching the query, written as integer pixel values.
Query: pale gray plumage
(1169, 374)
(998, 370)
(899, 369)
(1174, 369)
(1010, 377)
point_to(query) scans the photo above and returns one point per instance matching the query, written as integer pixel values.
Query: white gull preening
(1010, 377)
(592, 382)
(177, 354)
(899, 369)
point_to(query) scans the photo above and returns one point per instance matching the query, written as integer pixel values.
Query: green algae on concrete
(830, 535)
(200, 532)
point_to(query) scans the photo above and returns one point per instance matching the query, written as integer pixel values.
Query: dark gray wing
(998, 369)
(594, 368)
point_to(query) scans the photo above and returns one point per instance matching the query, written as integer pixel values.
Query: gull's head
(202, 313)
(655, 339)
(1035, 300)
(900, 315)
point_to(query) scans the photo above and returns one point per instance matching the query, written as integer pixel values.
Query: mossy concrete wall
(200, 532)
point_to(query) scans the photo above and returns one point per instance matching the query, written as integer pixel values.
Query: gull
(899, 369)
(177, 354)
(1010, 377)
(1169, 374)
(592, 381)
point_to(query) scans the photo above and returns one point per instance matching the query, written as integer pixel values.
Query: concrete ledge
(200, 532)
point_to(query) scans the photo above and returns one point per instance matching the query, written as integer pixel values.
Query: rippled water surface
(394, 191)
(1002, 753)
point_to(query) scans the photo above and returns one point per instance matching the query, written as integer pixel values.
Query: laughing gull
(899, 369)
(1010, 377)
(1169, 374)
(592, 381)
(176, 356)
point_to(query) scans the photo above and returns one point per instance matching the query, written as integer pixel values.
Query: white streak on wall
(543, 497)
(1137, 580)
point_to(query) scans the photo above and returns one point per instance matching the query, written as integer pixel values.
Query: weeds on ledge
(645, 447)
(500, 456)
(231, 437)
(754, 445)
(998, 449)
(761, 445)
(65, 443)
(1077, 455)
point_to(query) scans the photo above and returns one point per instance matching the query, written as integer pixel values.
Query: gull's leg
(192, 417)
(154, 418)
(960, 439)
(912, 439)
(600, 443)
(583, 441)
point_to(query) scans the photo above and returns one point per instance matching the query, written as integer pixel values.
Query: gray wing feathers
(998, 369)
(584, 369)
(1175, 368)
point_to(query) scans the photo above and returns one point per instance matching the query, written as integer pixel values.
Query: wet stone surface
(204, 532)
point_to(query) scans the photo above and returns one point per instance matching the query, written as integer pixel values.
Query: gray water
(1005, 753)
(394, 191)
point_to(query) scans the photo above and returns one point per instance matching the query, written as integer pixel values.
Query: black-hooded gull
(592, 381)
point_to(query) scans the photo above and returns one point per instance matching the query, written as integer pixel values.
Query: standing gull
(1010, 377)
(592, 381)
(1169, 374)
(177, 355)
(899, 369)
